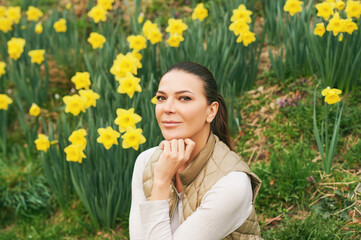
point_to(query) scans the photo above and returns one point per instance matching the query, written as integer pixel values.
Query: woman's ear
(213, 109)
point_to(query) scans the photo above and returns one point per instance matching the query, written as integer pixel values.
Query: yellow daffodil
(106, 4)
(2, 11)
(246, 38)
(2, 68)
(60, 25)
(140, 18)
(340, 37)
(34, 110)
(77, 137)
(137, 42)
(81, 80)
(124, 64)
(319, 29)
(353, 9)
(129, 85)
(34, 13)
(239, 26)
(137, 55)
(176, 26)
(241, 13)
(16, 47)
(154, 100)
(98, 13)
(90, 98)
(133, 138)
(74, 153)
(331, 95)
(155, 36)
(38, 28)
(37, 56)
(336, 25)
(126, 118)
(340, 5)
(174, 40)
(325, 10)
(5, 101)
(147, 27)
(349, 26)
(108, 137)
(42, 143)
(68, 6)
(14, 14)
(96, 40)
(293, 6)
(199, 12)
(74, 104)
(6, 24)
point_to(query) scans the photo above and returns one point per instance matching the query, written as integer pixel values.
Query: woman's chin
(170, 137)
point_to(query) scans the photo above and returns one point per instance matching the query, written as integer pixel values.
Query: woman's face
(182, 110)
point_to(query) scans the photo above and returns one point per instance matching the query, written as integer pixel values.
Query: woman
(193, 186)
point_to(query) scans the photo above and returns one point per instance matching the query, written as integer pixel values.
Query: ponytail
(219, 125)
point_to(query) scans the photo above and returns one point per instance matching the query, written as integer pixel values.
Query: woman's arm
(224, 208)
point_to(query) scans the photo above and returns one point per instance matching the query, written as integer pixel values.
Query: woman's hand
(176, 154)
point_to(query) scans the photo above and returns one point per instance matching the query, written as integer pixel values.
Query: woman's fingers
(189, 148)
(181, 150)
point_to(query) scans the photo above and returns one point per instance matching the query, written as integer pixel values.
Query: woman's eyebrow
(178, 92)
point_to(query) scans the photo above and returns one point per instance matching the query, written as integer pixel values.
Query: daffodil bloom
(74, 104)
(42, 143)
(96, 40)
(5, 101)
(147, 27)
(349, 26)
(6, 24)
(2, 68)
(174, 40)
(246, 38)
(199, 12)
(81, 80)
(38, 28)
(353, 9)
(336, 25)
(108, 137)
(124, 64)
(133, 138)
(137, 55)
(129, 85)
(90, 98)
(319, 29)
(126, 118)
(34, 110)
(16, 47)
(60, 25)
(106, 4)
(37, 56)
(331, 95)
(77, 137)
(325, 10)
(340, 5)
(74, 153)
(98, 13)
(2, 11)
(176, 26)
(154, 100)
(68, 6)
(239, 26)
(14, 14)
(137, 42)
(34, 13)
(155, 36)
(293, 6)
(140, 18)
(241, 13)
(340, 37)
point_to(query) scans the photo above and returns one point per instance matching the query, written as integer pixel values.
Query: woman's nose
(169, 106)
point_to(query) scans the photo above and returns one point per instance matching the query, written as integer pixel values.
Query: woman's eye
(160, 98)
(185, 98)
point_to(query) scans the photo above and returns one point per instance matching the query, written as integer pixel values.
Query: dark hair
(219, 125)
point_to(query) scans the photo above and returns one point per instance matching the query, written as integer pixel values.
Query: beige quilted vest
(212, 163)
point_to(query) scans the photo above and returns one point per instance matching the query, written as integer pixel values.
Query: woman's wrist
(160, 190)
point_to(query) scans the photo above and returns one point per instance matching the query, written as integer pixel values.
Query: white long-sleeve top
(223, 209)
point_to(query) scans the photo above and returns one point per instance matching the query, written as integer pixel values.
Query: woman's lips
(170, 123)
